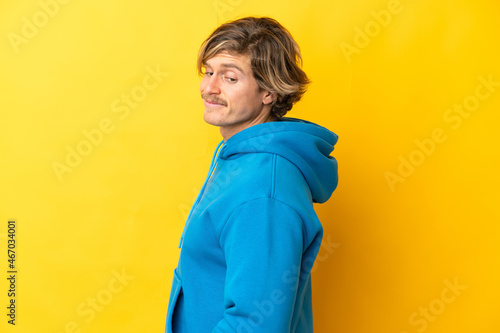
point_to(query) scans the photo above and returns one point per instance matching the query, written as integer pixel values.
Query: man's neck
(228, 131)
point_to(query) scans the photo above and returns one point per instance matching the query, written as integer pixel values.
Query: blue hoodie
(252, 235)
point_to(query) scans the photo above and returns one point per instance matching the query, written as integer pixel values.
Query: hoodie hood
(303, 143)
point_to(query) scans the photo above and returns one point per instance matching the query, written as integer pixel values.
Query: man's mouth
(213, 103)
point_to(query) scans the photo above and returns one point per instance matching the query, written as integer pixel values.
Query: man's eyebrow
(227, 65)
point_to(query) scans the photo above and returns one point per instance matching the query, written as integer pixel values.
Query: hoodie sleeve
(263, 243)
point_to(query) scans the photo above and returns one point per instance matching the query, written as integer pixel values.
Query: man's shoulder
(249, 168)
(261, 175)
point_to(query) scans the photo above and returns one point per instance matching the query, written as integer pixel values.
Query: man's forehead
(225, 59)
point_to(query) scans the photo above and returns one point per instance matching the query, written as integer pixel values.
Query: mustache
(213, 99)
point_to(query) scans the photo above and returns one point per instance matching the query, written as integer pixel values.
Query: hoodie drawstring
(213, 164)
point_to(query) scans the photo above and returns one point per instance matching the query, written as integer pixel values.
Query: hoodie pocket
(174, 295)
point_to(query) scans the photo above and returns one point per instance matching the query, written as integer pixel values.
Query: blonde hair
(275, 57)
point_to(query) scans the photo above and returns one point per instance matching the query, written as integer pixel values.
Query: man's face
(231, 95)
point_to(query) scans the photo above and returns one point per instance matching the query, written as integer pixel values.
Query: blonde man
(252, 235)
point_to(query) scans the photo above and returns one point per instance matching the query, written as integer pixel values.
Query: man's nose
(213, 85)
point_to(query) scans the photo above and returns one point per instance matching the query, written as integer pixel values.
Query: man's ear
(269, 97)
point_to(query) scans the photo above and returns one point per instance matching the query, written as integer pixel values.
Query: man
(252, 234)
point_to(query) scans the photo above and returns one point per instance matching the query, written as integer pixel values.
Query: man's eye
(208, 73)
(230, 79)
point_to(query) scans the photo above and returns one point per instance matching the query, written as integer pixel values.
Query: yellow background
(391, 248)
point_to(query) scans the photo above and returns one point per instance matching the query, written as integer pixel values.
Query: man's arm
(263, 244)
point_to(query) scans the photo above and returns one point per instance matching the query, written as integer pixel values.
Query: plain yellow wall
(103, 149)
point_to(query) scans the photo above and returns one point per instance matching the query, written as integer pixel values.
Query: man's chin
(210, 118)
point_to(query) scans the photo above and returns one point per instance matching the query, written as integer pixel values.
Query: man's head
(252, 73)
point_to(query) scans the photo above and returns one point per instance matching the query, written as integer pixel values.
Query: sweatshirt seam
(273, 176)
